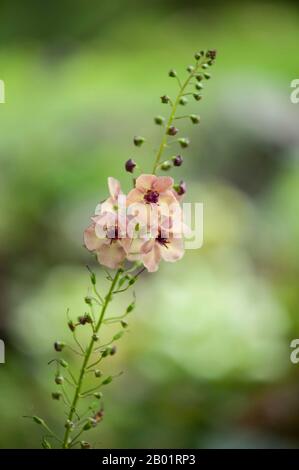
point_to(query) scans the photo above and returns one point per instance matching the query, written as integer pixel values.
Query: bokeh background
(207, 357)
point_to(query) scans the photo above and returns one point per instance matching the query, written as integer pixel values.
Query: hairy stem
(87, 355)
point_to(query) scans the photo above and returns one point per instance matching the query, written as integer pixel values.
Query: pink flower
(102, 238)
(166, 245)
(110, 204)
(152, 189)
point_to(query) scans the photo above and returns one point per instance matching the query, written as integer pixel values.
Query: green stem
(86, 359)
(172, 116)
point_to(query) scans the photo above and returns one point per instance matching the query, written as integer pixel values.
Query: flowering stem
(174, 106)
(87, 355)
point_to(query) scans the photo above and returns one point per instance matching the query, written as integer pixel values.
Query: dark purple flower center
(112, 234)
(162, 240)
(151, 196)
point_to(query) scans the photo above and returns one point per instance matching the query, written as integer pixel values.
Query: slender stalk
(86, 359)
(172, 115)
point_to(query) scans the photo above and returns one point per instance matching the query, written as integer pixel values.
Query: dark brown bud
(58, 346)
(211, 54)
(177, 160)
(71, 325)
(130, 165)
(172, 131)
(181, 188)
(165, 99)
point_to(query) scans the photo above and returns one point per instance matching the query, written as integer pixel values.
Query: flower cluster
(146, 225)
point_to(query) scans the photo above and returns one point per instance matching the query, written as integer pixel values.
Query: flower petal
(151, 259)
(145, 182)
(91, 241)
(162, 183)
(173, 251)
(114, 187)
(111, 255)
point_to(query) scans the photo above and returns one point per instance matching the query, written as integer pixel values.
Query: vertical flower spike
(129, 235)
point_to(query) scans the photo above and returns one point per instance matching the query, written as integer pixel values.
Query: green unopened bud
(205, 66)
(194, 118)
(130, 307)
(98, 395)
(107, 380)
(71, 326)
(172, 73)
(138, 140)
(98, 373)
(132, 281)
(38, 420)
(63, 363)
(88, 300)
(199, 86)
(91, 422)
(159, 120)
(184, 142)
(95, 337)
(124, 324)
(59, 379)
(197, 96)
(207, 75)
(46, 444)
(69, 424)
(56, 395)
(113, 350)
(190, 68)
(59, 345)
(198, 55)
(118, 336)
(106, 352)
(85, 445)
(199, 77)
(166, 165)
(93, 278)
(183, 101)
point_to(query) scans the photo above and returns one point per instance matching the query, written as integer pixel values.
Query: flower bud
(165, 99)
(172, 73)
(71, 326)
(69, 424)
(166, 165)
(56, 395)
(38, 420)
(180, 188)
(98, 395)
(63, 363)
(197, 96)
(85, 445)
(207, 75)
(184, 142)
(159, 120)
(172, 131)
(88, 300)
(199, 77)
(183, 101)
(211, 54)
(138, 140)
(83, 319)
(98, 373)
(95, 337)
(105, 352)
(130, 165)
(107, 380)
(190, 68)
(177, 160)
(113, 351)
(117, 336)
(130, 307)
(59, 379)
(59, 345)
(199, 86)
(198, 55)
(204, 66)
(194, 118)
(124, 324)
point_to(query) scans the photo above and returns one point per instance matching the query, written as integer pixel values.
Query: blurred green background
(206, 359)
